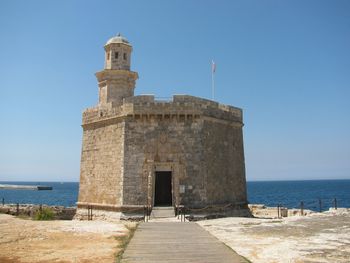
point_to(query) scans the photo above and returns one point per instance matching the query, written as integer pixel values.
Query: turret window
(124, 56)
(116, 54)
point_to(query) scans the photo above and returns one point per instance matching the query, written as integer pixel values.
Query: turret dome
(119, 39)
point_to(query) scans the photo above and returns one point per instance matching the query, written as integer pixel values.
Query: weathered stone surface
(127, 139)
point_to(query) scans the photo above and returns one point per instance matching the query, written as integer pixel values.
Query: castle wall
(101, 170)
(127, 139)
(205, 155)
(199, 141)
(159, 143)
(224, 160)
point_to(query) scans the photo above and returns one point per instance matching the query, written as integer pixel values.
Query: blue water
(291, 193)
(270, 193)
(65, 194)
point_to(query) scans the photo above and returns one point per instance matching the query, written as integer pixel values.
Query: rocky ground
(318, 237)
(25, 240)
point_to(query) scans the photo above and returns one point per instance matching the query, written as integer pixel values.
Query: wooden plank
(177, 242)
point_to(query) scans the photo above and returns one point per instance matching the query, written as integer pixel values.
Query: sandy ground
(23, 240)
(319, 237)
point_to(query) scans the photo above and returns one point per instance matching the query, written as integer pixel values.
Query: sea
(317, 195)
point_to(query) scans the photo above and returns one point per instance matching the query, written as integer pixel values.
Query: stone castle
(139, 151)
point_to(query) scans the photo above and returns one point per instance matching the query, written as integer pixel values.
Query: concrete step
(162, 212)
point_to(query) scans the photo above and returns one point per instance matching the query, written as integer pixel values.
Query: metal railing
(316, 205)
(89, 208)
(147, 209)
(180, 212)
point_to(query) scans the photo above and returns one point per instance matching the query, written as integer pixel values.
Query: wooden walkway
(177, 242)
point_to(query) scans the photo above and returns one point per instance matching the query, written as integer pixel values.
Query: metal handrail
(147, 209)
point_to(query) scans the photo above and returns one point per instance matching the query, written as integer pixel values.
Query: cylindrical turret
(118, 53)
(116, 81)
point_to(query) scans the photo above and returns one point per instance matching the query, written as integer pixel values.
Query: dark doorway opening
(162, 195)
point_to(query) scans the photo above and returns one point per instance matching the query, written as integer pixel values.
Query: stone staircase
(162, 212)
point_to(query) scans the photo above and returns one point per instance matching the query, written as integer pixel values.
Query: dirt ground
(318, 237)
(25, 240)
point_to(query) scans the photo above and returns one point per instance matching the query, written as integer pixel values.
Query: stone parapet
(183, 106)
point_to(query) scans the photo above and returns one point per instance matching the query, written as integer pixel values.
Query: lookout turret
(118, 53)
(116, 81)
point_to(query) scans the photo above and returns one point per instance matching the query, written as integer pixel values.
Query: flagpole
(213, 69)
(212, 84)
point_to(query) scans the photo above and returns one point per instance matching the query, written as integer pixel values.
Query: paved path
(177, 242)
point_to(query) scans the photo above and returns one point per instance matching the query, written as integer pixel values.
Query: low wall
(60, 212)
(262, 211)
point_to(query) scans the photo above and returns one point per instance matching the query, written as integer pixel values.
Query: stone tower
(116, 82)
(138, 150)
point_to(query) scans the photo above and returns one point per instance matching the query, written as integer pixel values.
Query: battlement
(178, 105)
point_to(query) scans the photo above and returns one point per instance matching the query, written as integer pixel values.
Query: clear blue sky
(285, 63)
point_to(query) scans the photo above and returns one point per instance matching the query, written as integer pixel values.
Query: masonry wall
(101, 168)
(173, 144)
(199, 141)
(205, 155)
(224, 161)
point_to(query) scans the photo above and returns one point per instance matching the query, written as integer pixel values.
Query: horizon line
(258, 180)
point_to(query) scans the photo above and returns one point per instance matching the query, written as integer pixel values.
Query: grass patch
(44, 214)
(124, 241)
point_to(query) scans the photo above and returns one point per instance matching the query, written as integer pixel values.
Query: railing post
(320, 203)
(147, 213)
(17, 209)
(301, 208)
(144, 213)
(183, 214)
(3, 201)
(89, 212)
(335, 204)
(278, 210)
